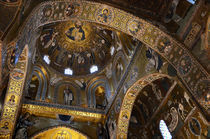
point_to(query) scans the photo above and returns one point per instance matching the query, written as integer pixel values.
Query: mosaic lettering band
(173, 51)
(13, 96)
(52, 112)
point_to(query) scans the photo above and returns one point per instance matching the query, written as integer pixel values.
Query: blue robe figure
(104, 16)
(76, 33)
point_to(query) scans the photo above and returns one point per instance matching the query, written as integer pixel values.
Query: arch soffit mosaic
(93, 84)
(175, 53)
(43, 77)
(128, 102)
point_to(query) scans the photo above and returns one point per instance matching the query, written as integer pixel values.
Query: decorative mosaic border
(51, 112)
(60, 106)
(13, 96)
(128, 102)
(175, 53)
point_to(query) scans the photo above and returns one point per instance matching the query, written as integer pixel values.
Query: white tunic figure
(68, 96)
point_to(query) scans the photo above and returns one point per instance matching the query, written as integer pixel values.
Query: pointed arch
(43, 82)
(91, 88)
(128, 102)
(169, 48)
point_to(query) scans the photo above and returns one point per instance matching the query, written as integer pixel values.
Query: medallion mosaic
(13, 97)
(174, 52)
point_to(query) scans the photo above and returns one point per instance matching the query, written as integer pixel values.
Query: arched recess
(173, 51)
(35, 86)
(60, 87)
(128, 102)
(58, 132)
(119, 66)
(92, 87)
(43, 83)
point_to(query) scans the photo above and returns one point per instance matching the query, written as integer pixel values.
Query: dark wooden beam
(164, 101)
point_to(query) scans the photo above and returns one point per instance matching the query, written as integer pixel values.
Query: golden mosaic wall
(52, 113)
(128, 102)
(13, 96)
(60, 132)
(195, 78)
(174, 52)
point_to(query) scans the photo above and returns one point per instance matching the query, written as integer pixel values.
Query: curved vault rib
(175, 53)
(13, 96)
(128, 102)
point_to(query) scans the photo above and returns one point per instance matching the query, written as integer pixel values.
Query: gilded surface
(75, 35)
(13, 96)
(128, 102)
(60, 132)
(170, 49)
(52, 113)
(127, 23)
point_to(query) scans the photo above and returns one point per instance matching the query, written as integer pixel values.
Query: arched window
(93, 69)
(68, 71)
(164, 130)
(46, 59)
(191, 1)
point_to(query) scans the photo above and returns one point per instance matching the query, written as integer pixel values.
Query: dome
(75, 47)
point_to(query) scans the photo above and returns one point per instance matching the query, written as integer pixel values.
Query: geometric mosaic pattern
(128, 102)
(13, 96)
(189, 70)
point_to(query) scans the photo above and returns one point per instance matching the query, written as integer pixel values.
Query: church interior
(104, 69)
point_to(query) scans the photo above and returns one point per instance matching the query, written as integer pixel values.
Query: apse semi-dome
(74, 47)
